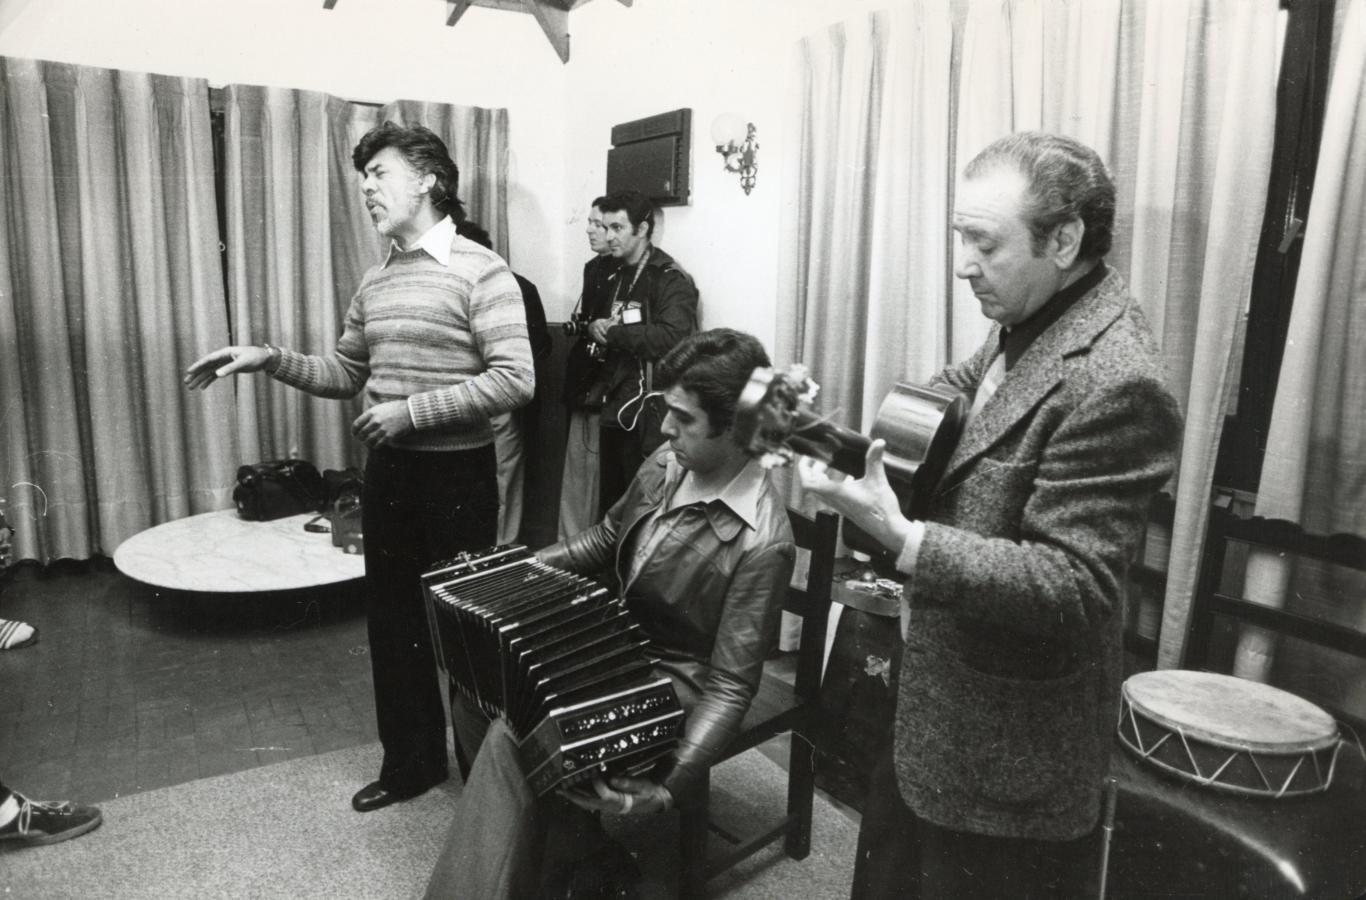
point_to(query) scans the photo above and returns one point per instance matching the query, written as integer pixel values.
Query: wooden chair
(1286, 539)
(778, 707)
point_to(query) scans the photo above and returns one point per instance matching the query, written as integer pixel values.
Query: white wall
(710, 55)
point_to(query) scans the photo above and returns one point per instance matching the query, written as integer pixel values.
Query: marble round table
(219, 552)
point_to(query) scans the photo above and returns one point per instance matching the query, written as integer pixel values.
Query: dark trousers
(620, 453)
(903, 857)
(504, 843)
(418, 508)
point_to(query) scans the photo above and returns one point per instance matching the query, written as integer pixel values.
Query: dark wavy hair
(637, 206)
(1066, 179)
(425, 152)
(715, 365)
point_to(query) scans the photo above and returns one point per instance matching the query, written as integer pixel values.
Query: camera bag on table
(342, 508)
(278, 488)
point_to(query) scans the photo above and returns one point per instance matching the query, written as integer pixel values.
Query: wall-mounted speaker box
(653, 156)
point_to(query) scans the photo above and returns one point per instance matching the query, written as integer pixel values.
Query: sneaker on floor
(49, 821)
(15, 634)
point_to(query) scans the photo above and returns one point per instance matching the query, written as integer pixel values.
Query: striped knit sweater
(450, 340)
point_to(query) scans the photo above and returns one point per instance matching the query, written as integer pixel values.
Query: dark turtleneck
(1016, 339)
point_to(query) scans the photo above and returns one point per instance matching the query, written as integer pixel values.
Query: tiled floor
(130, 688)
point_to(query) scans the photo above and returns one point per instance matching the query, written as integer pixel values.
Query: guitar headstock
(769, 411)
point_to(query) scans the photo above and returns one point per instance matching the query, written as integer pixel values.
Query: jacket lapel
(1037, 373)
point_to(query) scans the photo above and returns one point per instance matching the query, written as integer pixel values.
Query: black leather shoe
(376, 796)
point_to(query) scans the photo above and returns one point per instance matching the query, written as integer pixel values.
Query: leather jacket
(708, 600)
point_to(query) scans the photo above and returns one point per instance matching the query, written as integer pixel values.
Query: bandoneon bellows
(556, 655)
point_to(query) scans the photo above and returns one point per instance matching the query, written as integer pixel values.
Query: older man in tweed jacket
(1010, 679)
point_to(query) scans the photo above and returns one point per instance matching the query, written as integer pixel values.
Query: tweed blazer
(1009, 685)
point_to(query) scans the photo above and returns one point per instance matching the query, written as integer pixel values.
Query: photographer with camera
(579, 480)
(653, 307)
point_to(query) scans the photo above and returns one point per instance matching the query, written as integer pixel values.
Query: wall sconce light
(734, 139)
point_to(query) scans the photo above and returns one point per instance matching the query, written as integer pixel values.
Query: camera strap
(646, 367)
(616, 289)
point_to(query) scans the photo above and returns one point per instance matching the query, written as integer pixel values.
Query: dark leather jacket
(708, 600)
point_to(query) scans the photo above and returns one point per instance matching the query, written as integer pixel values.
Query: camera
(577, 326)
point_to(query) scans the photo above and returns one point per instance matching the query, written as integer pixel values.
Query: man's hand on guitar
(869, 502)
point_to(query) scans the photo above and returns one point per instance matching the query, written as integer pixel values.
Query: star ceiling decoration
(551, 15)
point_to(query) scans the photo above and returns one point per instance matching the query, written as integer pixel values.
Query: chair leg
(692, 839)
(801, 788)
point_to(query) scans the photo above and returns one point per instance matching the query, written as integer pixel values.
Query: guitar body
(921, 425)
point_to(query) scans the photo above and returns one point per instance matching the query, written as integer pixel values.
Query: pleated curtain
(864, 260)
(110, 285)
(298, 240)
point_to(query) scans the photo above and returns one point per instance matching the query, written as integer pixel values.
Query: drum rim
(1195, 732)
(1231, 787)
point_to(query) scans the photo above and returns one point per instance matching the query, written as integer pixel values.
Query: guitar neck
(835, 445)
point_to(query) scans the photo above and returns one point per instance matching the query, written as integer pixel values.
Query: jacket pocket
(1008, 742)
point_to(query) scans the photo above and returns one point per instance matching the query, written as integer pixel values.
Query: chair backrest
(820, 536)
(1286, 539)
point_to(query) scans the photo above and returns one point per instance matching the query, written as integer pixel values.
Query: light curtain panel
(298, 241)
(864, 262)
(110, 285)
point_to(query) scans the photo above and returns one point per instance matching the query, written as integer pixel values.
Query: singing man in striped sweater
(436, 338)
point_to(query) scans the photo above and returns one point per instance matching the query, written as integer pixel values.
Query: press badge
(630, 316)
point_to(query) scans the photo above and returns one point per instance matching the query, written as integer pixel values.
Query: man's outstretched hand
(223, 362)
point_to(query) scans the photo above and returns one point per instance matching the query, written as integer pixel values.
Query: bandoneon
(557, 656)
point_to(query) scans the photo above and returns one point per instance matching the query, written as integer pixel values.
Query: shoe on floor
(49, 821)
(15, 634)
(376, 796)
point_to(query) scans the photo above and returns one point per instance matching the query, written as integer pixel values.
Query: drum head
(1230, 712)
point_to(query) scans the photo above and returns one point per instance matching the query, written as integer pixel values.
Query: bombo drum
(1229, 733)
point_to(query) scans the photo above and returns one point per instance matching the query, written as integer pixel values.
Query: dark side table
(1177, 840)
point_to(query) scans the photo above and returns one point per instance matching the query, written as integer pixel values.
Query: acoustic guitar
(774, 420)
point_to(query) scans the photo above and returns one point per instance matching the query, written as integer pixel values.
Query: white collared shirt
(436, 242)
(740, 496)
